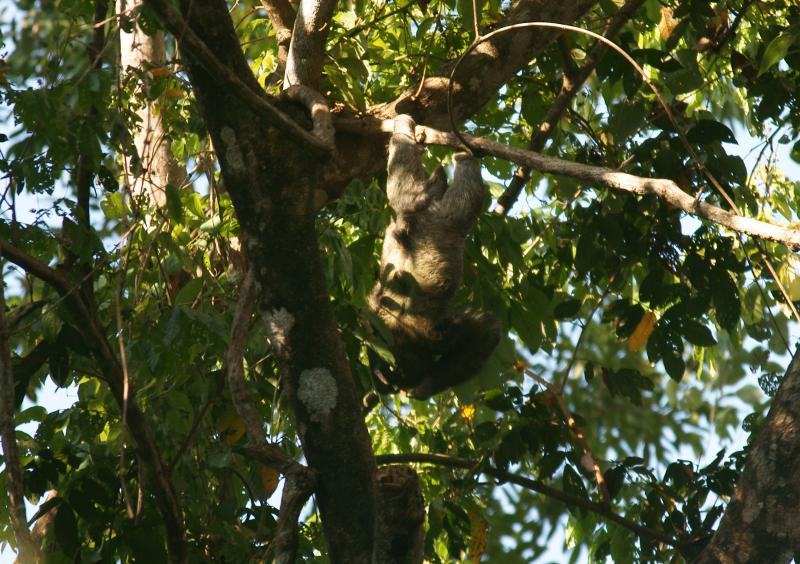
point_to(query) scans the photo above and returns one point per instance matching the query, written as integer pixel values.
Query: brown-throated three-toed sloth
(421, 266)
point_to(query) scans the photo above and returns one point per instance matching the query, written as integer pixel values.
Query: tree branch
(588, 460)
(298, 486)
(307, 50)
(495, 62)
(196, 48)
(282, 16)
(572, 81)
(531, 484)
(50, 276)
(299, 480)
(234, 359)
(762, 521)
(28, 549)
(662, 188)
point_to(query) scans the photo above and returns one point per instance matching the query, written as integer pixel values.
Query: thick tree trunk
(762, 521)
(271, 182)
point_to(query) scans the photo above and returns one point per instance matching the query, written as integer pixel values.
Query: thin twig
(574, 358)
(588, 458)
(125, 381)
(187, 440)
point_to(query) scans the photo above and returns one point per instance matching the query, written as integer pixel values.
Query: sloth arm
(463, 201)
(405, 186)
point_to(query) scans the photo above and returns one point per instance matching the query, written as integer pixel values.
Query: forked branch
(195, 46)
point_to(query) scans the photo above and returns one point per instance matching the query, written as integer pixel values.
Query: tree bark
(281, 15)
(762, 521)
(271, 183)
(400, 526)
(141, 53)
(307, 50)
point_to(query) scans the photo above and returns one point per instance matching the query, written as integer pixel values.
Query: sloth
(434, 347)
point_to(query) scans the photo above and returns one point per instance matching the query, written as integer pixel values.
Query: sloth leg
(469, 340)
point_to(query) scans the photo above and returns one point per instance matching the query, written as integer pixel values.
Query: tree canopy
(193, 206)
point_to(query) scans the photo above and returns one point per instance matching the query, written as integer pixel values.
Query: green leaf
(674, 364)
(725, 296)
(795, 152)
(573, 483)
(496, 399)
(59, 364)
(114, 206)
(527, 325)
(775, 51)
(697, 333)
(567, 309)
(174, 206)
(66, 530)
(189, 292)
(615, 479)
(684, 80)
(707, 131)
(625, 119)
(33, 413)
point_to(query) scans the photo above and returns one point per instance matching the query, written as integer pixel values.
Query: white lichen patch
(279, 323)
(317, 391)
(233, 154)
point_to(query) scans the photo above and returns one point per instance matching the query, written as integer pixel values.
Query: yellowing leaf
(160, 72)
(638, 338)
(789, 275)
(175, 93)
(269, 479)
(468, 412)
(230, 427)
(667, 24)
(479, 537)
